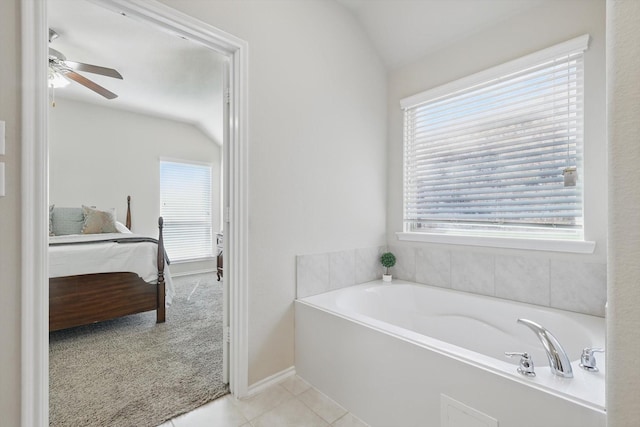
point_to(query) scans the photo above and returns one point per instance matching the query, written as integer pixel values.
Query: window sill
(572, 246)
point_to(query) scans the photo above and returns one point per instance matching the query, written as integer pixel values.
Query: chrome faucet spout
(558, 360)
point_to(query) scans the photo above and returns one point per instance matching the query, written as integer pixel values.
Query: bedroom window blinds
(185, 205)
(487, 155)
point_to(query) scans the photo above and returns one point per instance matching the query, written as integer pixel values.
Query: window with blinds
(488, 155)
(185, 206)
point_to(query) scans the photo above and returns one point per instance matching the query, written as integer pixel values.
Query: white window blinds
(185, 205)
(487, 156)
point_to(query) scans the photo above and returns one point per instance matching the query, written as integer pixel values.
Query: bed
(100, 273)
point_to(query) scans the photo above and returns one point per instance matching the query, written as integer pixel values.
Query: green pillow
(67, 221)
(51, 220)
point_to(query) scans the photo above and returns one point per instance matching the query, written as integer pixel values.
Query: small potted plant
(387, 260)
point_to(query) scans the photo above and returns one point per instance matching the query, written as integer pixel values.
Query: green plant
(388, 260)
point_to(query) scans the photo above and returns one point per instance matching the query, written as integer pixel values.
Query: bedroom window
(495, 154)
(185, 205)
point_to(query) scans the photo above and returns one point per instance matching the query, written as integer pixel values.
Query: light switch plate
(1, 138)
(1, 179)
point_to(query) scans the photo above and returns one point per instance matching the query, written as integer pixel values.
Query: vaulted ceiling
(402, 31)
(163, 75)
(170, 77)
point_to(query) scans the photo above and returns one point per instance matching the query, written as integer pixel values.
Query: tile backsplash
(563, 284)
(567, 285)
(318, 273)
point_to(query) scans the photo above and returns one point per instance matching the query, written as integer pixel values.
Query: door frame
(35, 192)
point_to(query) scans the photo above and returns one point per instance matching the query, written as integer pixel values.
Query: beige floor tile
(349, 420)
(291, 403)
(292, 413)
(295, 385)
(263, 402)
(322, 405)
(220, 412)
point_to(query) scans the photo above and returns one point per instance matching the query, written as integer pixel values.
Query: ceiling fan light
(57, 80)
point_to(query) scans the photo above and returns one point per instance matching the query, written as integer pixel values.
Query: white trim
(265, 383)
(237, 259)
(237, 242)
(224, 204)
(34, 257)
(175, 22)
(578, 44)
(193, 273)
(34, 201)
(188, 162)
(190, 260)
(572, 246)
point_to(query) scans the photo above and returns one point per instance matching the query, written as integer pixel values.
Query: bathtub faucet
(558, 360)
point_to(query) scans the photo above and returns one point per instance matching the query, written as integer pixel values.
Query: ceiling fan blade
(55, 55)
(89, 84)
(95, 69)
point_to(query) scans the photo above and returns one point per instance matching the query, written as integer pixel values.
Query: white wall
(317, 126)
(623, 315)
(10, 215)
(98, 156)
(293, 52)
(544, 26)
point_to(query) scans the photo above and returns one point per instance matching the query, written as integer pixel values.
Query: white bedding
(107, 257)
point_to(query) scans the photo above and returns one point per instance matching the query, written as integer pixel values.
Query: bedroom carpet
(134, 372)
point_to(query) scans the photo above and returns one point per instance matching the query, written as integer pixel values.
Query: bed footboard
(90, 298)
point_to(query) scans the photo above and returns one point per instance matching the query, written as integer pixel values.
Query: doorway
(35, 191)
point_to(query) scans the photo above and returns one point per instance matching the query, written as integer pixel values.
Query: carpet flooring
(134, 372)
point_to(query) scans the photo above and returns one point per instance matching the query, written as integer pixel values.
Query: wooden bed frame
(89, 298)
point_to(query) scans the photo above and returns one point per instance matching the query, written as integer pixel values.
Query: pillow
(51, 220)
(122, 228)
(67, 221)
(96, 221)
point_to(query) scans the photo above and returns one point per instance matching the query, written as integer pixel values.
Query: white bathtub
(405, 354)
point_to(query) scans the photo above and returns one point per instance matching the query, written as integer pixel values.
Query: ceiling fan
(59, 66)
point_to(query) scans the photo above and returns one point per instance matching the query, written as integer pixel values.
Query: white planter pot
(386, 277)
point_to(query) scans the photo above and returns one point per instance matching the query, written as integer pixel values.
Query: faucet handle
(526, 367)
(588, 359)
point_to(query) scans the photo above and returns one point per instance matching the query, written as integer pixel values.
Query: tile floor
(290, 403)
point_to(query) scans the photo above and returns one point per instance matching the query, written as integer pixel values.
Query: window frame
(167, 224)
(533, 242)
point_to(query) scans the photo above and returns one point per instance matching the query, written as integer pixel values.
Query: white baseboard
(269, 381)
(191, 273)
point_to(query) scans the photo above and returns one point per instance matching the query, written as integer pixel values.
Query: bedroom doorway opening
(162, 118)
(35, 101)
